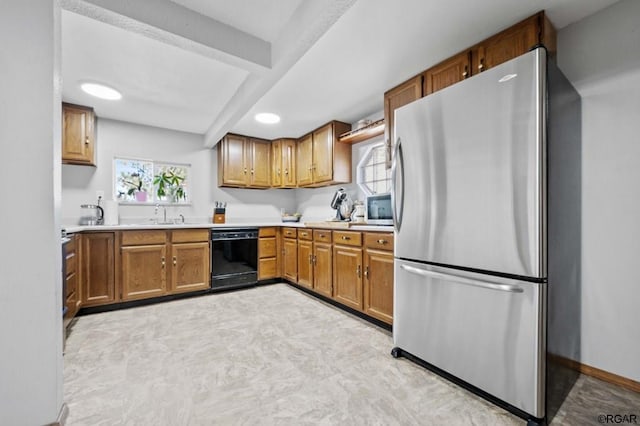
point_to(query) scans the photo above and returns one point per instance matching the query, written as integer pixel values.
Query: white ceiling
(208, 66)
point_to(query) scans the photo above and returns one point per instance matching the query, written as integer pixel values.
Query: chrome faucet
(182, 218)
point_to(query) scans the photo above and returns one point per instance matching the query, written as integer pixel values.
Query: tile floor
(271, 355)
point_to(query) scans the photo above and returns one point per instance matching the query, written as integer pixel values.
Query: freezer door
(485, 330)
(469, 172)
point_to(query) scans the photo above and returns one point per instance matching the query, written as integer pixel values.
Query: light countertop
(256, 224)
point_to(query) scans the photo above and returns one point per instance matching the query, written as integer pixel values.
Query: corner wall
(30, 253)
(601, 57)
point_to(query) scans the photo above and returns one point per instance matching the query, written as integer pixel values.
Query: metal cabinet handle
(366, 272)
(359, 271)
(381, 241)
(163, 262)
(463, 280)
(251, 171)
(175, 260)
(344, 237)
(481, 65)
(315, 260)
(278, 171)
(245, 170)
(86, 140)
(304, 234)
(466, 71)
(310, 259)
(286, 171)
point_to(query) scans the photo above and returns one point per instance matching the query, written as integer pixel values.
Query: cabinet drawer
(267, 268)
(135, 238)
(348, 238)
(289, 232)
(71, 263)
(266, 247)
(189, 235)
(378, 241)
(267, 232)
(305, 234)
(71, 285)
(321, 235)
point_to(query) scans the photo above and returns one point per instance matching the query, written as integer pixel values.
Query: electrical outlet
(100, 195)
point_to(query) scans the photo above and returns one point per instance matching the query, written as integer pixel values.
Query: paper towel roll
(110, 212)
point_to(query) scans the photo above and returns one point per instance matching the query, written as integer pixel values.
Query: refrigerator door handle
(397, 160)
(462, 280)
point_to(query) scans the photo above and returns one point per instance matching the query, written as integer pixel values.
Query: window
(138, 181)
(373, 175)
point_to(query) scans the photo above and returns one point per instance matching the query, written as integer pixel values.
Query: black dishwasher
(234, 257)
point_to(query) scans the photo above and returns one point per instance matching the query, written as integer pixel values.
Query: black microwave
(378, 209)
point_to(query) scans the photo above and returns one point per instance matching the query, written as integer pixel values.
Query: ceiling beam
(309, 22)
(176, 25)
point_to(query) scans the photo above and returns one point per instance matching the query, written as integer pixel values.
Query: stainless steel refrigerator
(486, 200)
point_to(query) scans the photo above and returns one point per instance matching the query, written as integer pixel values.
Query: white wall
(601, 56)
(30, 261)
(117, 138)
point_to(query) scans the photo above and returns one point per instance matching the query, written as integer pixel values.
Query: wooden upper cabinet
(232, 170)
(305, 160)
(259, 163)
(244, 162)
(400, 95)
(276, 163)
(322, 154)
(78, 136)
(322, 160)
(446, 73)
(283, 163)
(513, 42)
(98, 269)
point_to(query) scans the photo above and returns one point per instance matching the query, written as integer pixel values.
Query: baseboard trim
(62, 416)
(597, 373)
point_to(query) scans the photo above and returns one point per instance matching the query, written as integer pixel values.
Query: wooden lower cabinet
(323, 269)
(190, 267)
(347, 276)
(267, 253)
(305, 263)
(378, 284)
(98, 268)
(290, 259)
(143, 271)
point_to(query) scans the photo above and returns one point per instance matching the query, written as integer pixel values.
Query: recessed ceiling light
(101, 91)
(267, 118)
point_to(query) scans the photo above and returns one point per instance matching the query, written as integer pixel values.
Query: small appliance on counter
(343, 205)
(378, 209)
(97, 218)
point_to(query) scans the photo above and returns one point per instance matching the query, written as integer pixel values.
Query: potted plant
(169, 185)
(135, 184)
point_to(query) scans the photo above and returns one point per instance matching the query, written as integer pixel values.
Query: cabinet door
(98, 269)
(305, 160)
(190, 267)
(322, 269)
(276, 164)
(288, 163)
(77, 135)
(144, 271)
(322, 167)
(260, 163)
(507, 44)
(378, 284)
(305, 263)
(399, 96)
(290, 259)
(347, 276)
(446, 73)
(232, 169)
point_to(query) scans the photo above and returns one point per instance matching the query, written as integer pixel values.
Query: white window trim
(360, 168)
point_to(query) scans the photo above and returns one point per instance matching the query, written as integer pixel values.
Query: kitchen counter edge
(81, 228)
